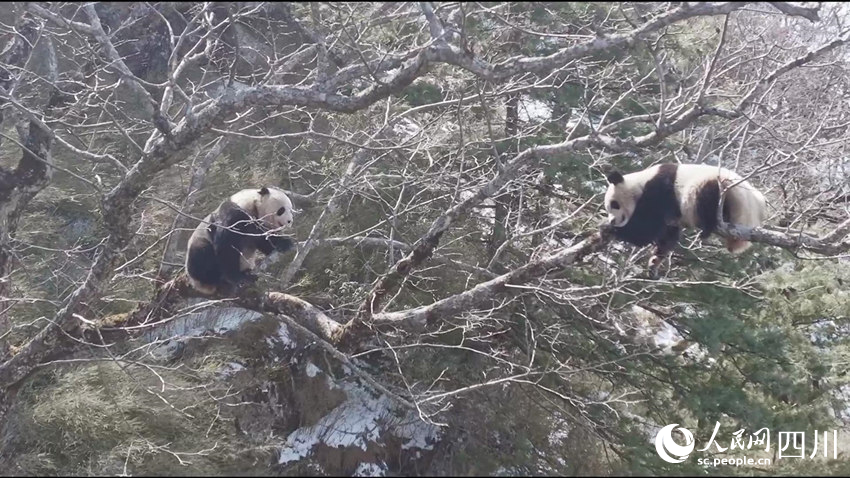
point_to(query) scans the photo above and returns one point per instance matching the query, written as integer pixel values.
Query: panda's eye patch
(281, 211)
(615, 205)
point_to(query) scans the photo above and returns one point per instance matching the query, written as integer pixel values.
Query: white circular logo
(665, 446)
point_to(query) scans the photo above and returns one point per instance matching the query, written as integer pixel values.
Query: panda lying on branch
(222, 248)
(650, 206)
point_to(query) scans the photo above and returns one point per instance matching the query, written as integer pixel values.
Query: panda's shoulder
(245, 197)
(648, 174)
(230, 212)
(204, 230)
(227, 208)
(701, 172)
(654, 178)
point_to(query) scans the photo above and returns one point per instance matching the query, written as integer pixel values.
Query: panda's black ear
(264, 191)
(614, 177)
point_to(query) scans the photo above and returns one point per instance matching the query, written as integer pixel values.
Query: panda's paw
(248, 278)
(282, 243)
(235, 284)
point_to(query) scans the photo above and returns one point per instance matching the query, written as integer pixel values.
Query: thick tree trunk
(33, 172)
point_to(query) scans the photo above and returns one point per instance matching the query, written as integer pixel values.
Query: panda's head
(273, 207)
(621, 197)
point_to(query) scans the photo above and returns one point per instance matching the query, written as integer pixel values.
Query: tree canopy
(453, 305)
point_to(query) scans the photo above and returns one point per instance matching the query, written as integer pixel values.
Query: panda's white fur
(266, 207)
(233, 225)
(747, 205)
(662, 197)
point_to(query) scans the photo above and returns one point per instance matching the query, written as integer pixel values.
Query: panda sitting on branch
(649, 206)
(221, 251)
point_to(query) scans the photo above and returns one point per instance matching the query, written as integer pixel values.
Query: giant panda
(651, 205)
(221, 250)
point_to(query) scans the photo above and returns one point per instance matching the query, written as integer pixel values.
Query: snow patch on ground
(282, 339)
(229, 369)
(370, 469)
(534, 110)
(360, 419)
(217, 320)
(558, 436)
(312, 370)
(667, 336)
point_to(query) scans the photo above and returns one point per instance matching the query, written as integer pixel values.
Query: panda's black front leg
(230, 259)
(664, 245)
(247, 278)
(282, 243)
(228, 249)
(271, 243)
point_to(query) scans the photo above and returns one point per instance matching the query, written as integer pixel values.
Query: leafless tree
(142, 94)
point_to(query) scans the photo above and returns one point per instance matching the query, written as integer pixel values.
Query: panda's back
(201, 233)
(201, 264)
(698, 192)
